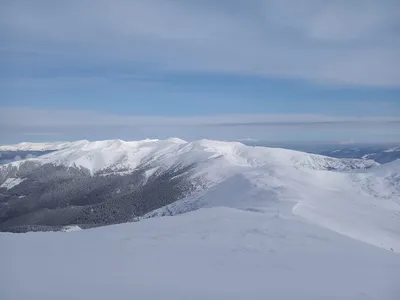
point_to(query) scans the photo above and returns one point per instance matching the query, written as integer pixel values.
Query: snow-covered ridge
(119, 154)
(51, 146)
(25, 146)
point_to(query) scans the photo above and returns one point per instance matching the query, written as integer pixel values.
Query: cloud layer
(28, 117)
(337, 42)
(19, 124)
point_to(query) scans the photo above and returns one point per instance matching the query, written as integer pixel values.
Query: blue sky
(263, 69)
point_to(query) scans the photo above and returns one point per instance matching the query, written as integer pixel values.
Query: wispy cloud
(72, 118)
(344, 42)
(42, 134)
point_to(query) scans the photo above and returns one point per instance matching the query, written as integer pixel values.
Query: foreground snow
(214, 253)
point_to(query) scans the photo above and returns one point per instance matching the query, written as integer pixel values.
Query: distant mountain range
(381, 155)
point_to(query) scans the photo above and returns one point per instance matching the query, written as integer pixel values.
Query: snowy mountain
(22, 151)
(41, 146)
(117, 154)
(106, 182)
(248, 222)
(380, 153)
(377, 153)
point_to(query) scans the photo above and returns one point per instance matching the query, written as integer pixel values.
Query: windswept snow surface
(214, 253)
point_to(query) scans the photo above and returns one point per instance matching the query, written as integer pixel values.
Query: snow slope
(364, 206)
(11, 182)
(215, 253)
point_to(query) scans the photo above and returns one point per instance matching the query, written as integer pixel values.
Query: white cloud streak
(349, 42)
(28, 117)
